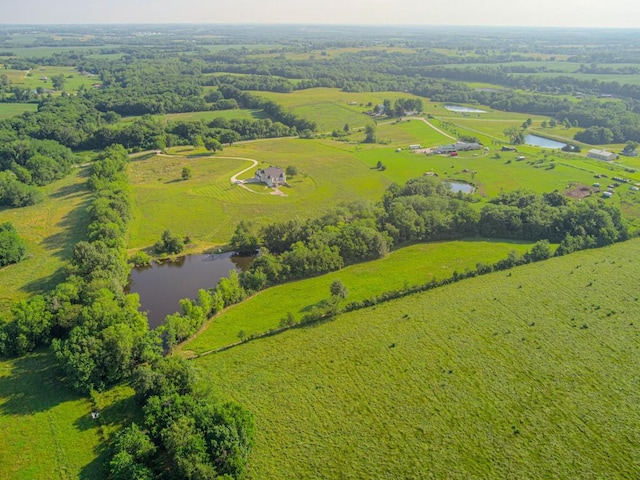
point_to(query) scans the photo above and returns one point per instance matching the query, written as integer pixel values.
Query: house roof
(274, 172)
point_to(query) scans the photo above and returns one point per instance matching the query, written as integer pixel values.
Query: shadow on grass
(200, 155)
(72, 228)
(43, 285)
(320, 305)
(33, 386)
(73, 190)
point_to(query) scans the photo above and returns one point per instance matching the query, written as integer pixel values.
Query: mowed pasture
(46, 431)
(8, 110)
(50, 230)
(526, 373)
(412, 265)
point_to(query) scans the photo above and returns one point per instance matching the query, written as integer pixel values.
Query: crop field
(50, 229)
(8, 110)
(407, 266)
(520, 374)
(330, 108)
(46, 431)
(208, 207)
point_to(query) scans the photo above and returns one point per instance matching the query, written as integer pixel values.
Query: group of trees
(28, 163)
(424, 209)
(97, 333)
(182, 434)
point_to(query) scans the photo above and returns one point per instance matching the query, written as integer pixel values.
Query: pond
(459, 109)
(461, 187)
(161, 286)
(537, 141)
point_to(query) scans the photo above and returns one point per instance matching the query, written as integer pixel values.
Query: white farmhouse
(272, 176)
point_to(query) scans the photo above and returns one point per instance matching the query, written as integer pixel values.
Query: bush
(12, 248)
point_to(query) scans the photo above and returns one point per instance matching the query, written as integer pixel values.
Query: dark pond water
(461, 187)
(162, 286)
(537, 141)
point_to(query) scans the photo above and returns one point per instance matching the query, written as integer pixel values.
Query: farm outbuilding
(601, 155)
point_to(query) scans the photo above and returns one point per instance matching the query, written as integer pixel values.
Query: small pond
(537, 141)
(461, 187)
(161, 286)
(459, 109)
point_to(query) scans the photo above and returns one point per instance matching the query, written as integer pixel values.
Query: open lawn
(520, 374)
(8, 110)
(208, 207)
(46, 431)
(50, 229)
(408, 266)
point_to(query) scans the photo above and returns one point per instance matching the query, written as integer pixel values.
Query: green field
(46, 431)
(34, 78)
(50, 229)
(408, 266)
(207, 116)
(8, 110)
(331, 108)
(521, 374)
(208, 207)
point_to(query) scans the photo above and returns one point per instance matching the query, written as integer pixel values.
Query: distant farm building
(601, 155)
(415, 146)
(458, 147)
(272, 176)
(508, 149)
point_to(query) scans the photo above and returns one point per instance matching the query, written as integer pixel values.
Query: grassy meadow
(8, 110)
(407, 266)
(32, 79)
(46, 431)
(241, 114)
(50, 229)
(519, 374)
(331, 108)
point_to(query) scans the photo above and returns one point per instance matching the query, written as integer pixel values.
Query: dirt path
(241, 183)
(438, 130)
(234, 178)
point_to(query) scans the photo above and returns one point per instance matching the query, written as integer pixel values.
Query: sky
(554, 13)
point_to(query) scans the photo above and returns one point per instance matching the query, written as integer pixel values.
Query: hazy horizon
(491, 13)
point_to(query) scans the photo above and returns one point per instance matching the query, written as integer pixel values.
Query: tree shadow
(43, 285)
(117, 414)
(320, 305)
(73, 190)
(72, 228)
(33, 385)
